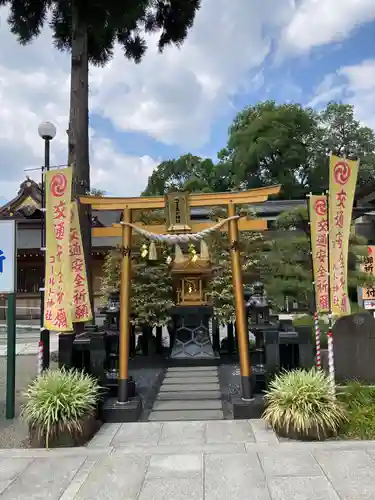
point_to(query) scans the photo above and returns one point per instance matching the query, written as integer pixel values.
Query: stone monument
(354, 348)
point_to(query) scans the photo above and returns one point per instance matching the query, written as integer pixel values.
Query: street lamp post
(47, 132)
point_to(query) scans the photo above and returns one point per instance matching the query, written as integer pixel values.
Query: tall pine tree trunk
(78, 133)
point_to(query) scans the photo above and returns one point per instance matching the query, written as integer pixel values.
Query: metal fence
(24, 313)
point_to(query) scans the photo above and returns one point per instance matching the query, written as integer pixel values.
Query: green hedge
(359, 401)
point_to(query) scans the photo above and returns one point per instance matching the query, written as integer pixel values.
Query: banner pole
(314, 304)
(44, 332)
(11, 358)
(331, 359)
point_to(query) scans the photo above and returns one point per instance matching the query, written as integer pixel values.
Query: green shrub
(59, 400)
(308, 320)
(359, 401)
(300, 404)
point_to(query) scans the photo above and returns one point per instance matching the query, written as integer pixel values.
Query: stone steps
(191, 380)
(211, 404)
(169, 416)
(189, 387)
(187, 369)
(188, 393)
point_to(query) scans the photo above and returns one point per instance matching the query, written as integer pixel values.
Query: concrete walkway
(27, 348)
(227, 460)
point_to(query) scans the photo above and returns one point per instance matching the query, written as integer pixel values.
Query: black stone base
(259, 383)
(114, 412)
(66, 350)
(243, 410)
(112, 385)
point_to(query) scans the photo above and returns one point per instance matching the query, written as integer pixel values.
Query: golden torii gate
(180, 224)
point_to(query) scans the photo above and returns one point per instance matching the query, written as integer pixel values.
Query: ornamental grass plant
(359, 401)
(300, 405)
(60, 401)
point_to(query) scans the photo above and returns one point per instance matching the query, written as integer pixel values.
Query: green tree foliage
(97, 192)
(287, 266)
(341, 133)
(151, 286)
(271, 144)
(110, 280)
(220, 287)
(152, 291)
(188, 173)
(287, 144)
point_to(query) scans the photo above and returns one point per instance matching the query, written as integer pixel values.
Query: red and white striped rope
(318, 360)
(331, 361)
(40, 358)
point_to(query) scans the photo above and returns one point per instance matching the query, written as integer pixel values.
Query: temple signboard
(368, 293)
(177, 212)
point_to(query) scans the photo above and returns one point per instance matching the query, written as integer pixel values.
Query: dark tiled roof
(27, 188)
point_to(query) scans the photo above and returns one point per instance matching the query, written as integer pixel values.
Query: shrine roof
(27, 202)
(201, 214)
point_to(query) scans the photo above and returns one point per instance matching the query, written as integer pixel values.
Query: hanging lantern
(152, 254)
(144, 251)
(178, 255)
(205, 254)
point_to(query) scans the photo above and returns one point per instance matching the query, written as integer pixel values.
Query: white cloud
(176, 96)
(34, 87)
(361, 89)
(352, 84)
(173, 97)
(120, 175)
(328, 90)
(320, 22)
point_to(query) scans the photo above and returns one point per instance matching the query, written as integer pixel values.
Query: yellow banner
(81, 299)
(319, 249)
(368, 267)
(58, 289)
(342, 182)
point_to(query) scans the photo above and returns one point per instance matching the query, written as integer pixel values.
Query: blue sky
(236, 54)
(293, 79)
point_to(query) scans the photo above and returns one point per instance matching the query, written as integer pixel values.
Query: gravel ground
(13, 433)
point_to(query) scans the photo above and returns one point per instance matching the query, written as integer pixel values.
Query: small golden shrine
(191, 270)
(190, 279)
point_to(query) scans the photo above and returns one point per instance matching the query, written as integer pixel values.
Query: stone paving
(13, 433)
(216, 460)
(31, 347)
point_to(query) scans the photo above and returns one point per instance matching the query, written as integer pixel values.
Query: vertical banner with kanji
(342, 182)
(368, 293)
(81, 299)
(58, 287)
(319, 249)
